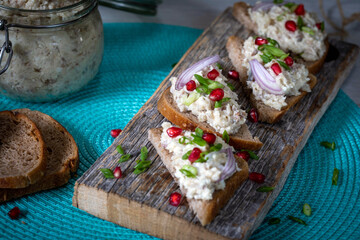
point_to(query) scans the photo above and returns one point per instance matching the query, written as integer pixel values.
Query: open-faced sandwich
(207, 171)
(295, 29)
(201, 97)
(271, 78)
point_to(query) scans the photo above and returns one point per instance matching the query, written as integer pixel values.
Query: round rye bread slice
(62, 155)
(22, 151)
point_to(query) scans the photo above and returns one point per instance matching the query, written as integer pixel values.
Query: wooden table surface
(200, 13)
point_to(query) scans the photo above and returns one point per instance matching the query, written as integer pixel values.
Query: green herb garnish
(291, 6)
(335, 177)
(277, 52)
(279, 18)
(186, 155)
(307, 30)
(225, 136)
(144, 153)
(198, 140)
(273, 42)
(278, 1)
(202, 157)
(284, 56)
(265, 59)
(265, 189)
(199, 132)
(124, 158)
(119, 149)
(107, 172)
(183, 139)
(232, 88)
(202, 80)
(219, 66)
(192, 98)
(322, 26)
(298, 220)
(189, 171)
(216, 148)
(328, 145)
(173, 65)
(273, 221)
(307, 209)
(219, 103)
(251, 154)
(142, 165)
(300, 22)
(284, 65)
(215, 85)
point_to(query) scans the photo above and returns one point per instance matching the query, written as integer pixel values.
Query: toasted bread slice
(266, 114)
(168, 108)
(205, 210)
(62, 152)
(22, 151)
(241, 13)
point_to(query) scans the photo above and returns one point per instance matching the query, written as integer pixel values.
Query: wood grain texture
(140, 202)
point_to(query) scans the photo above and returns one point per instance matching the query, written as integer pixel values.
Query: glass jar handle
(6, 47)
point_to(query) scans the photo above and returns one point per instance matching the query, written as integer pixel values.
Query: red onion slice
(230, 166)
(188, 73)
(264, 79)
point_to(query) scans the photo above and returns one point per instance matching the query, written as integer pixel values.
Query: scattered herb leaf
(225, 136)
(298, 220)
(215, 85)
(141, 166)
(265, 59)
(107, 172)
(291, 6)
(307, 209)
(279, 18)
(124, 158)
(335, 177)
(119, 149)
(273, 221)
(144, 153)
(322, 26)
(189, 171)
(192, 98)
(199, 132)
(265, 189)
(328, 145)
(232, 88)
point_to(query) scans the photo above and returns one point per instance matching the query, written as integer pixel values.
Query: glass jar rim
(47, 11)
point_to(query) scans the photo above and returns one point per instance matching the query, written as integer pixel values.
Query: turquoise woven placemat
(137, 58)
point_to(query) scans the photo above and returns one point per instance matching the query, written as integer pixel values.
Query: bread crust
(38, 171)
(205, 210)
(51, 179)
(168, 108)
(241, 14)
(266, 113)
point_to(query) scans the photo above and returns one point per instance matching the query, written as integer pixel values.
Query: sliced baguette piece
(22, 151)
(266, 114)
(168, 108)
(63, 157)
(241, 13)
(205, 210)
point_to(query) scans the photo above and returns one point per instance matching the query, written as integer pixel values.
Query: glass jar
(55, 52)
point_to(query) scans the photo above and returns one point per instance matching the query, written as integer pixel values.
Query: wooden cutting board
(140, 202)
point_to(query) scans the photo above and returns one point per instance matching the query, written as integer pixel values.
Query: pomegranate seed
(209, 138)
(233, 75)
(290, 25)
(213, 74)
(257, 177)
(117, 172)
(216, 94)
(318, 25)
(260, 41)
(174, 132)
(253, 115)
(194, 155)
(276, 68)
(175, 199)
(289, 61)
(300, 11)
(14, 213)
(244, 155)
(191, 85)
(115, 132)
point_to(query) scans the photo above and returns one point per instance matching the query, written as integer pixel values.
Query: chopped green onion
(216, 147)
(278, 1)
(291, 6)
(199, 132)
(265, 58)
(300, 22)
(215, 85)
(203, 89)
(120, 149)
(186, 155)
(284, 65)
(183, 139)
(284, 56)
(189, 171)
(307, 209)
(107, 172)
(124, 158)
(202, 80)
(198, 140)
(277, 52)
(219, 66)
(265, 189)
(202, 157)
(219, 103)
(273, 42)
(252, 154)
(273, 221)
(298, 220)
(225, 136)
(328, 145)
(322, 26)
(335, 177)
(141, 166)
(173, 65)
(192, 98)
(144, 153)
(308, 30)
(232, 88)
